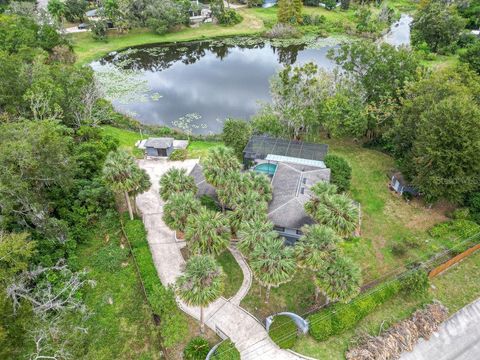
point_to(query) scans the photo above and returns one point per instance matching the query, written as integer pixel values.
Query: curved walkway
(223, 316)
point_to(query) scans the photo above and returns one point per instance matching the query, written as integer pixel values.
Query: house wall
(290, 235)
(151, 151)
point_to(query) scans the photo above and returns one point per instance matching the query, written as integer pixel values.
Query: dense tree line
(52, 189)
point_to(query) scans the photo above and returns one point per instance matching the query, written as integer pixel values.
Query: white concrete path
(457, 339)
(223, 316)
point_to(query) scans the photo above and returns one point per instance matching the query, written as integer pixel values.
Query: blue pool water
(266, 168)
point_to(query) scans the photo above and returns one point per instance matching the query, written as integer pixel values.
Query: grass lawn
(87, 49)
(233, 272)
(454, 288)
(121, 324)
(128, 138)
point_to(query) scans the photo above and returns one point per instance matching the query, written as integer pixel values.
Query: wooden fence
(441, 268)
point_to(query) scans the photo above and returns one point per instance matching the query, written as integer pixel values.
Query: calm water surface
(214, 80)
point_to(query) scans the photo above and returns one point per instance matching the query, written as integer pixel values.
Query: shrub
(158, 26)
(315, 20)
(321, 325)
(341, 171)
(173, 323)
(330, 4)
(196, 349)
(226, 351)
(236, 134)
(178, 155)
(340, 317)
(344, 318)
(283, 31)
(461, 214)
(415, 283)
(471, 56)
(283, 331)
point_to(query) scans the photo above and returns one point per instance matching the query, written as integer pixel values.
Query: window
(279, 228)
(299, 232)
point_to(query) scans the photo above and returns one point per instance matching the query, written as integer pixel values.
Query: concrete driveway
(223, 316)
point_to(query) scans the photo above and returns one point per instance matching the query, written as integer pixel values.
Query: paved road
(223, 316)
(457, 339)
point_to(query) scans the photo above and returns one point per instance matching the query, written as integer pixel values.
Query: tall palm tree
(176, 181)
(320, 191)
(121, 173)
(338, 212)
(207, 232)
(201, 284)
(252, 232)
(272, 263)
(248, 206)
(179, 208)
(340, 279)
(229, 188)
(260, 184)
(141, 183)
(314, 249)
(219, 162)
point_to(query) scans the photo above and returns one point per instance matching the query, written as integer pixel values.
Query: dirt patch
(425, 218)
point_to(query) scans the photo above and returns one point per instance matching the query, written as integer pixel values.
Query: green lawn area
(128, 138)
(454, 288)
(121, 324)
(233, 272)
(88, 49)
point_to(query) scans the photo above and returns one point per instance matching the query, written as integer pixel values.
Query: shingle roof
(291, 190)
(204, 188)
(159, 143)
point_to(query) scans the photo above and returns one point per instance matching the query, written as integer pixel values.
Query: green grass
(128, 138)
(121, 325)
(454, 288)
(233, 271)
(87, 49)
(199, 149)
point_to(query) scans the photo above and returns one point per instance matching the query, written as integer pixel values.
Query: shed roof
(260, 146)
(159, 143)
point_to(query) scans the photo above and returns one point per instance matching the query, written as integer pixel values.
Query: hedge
(173, 323)
(338, 318)
(226, 351)
(283, 331)
(341, 171)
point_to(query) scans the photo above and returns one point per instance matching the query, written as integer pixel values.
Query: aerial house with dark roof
(293, 167)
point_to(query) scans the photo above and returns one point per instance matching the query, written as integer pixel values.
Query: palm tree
(272, 263)
(260, 184)
(229, 188)
(320, 190)
(179, 208)
(207, 232)
(121, 172)
(314, 249)
(249, 205)
(141, 183)
(176, 181)
(201, 283)
(253, 232)
(340, 279)
(219, 162)
(338, 212)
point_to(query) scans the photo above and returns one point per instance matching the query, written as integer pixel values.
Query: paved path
(225, 317)
(458, 338)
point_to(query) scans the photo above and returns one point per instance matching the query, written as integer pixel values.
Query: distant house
(161, 147)
(400, 185)
(293, 167)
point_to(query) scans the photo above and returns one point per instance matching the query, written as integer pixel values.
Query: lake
(203, 83)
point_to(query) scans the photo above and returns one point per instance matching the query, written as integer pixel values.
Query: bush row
(341, 317)
(173, 323)
(283, 331)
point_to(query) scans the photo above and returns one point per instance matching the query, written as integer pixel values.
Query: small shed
(400, 185)
(162, 147)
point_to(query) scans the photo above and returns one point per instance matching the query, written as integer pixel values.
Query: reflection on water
(399, 33)
(212, 79)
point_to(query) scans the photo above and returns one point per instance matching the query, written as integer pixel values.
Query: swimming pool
(266, 168)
